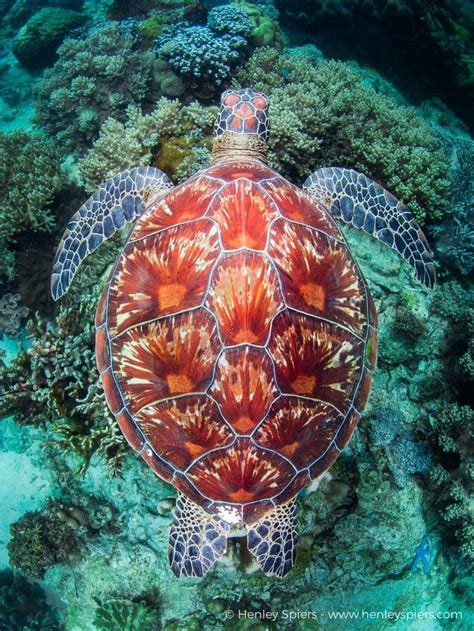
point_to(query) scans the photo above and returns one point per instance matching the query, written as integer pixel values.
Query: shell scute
(241, 473)
(186, 202)
(163, 274)
(295, 205)
(243, 213)
(165, 358)
(299, 429)
(181, 430)
(244, 295)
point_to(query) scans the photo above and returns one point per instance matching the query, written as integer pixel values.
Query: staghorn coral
(325, 115)
(30, 178)
(23, 605)
(55, 383)
(166, 137)
(95, 77)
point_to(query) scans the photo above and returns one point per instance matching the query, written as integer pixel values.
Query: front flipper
(356, 199)
(197, 539)
(272, 540)
(118, 201)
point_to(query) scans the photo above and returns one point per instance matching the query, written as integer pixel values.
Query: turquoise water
(90, 89)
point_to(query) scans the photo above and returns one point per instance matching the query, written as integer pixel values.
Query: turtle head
(242, 124)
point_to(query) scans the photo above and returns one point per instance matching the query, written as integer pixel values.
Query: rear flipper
(356, 199)
(119, 201)
(272, 540)
(197, 539)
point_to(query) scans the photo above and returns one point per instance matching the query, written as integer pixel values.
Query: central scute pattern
(236, 339)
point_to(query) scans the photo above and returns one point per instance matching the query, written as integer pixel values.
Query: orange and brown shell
(236, 339)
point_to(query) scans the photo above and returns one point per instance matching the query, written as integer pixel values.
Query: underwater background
(88, 89)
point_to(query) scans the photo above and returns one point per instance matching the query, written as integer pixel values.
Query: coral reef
(325, 114)
(170, 134)
(30, 178)
(37, 41)
(95, 77)
(454, 237)
(23, 605)
(144, 9)
(12, 314)
(404, 454)
(55, 383)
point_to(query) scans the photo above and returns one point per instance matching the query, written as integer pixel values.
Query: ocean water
(237, 342)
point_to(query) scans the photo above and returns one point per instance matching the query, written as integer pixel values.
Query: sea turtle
(236, 336)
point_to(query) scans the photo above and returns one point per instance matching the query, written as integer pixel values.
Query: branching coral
(325, 114)
(30, 177)
(94, 77)
(452, 432)
(55, 383)
(204, 56)
(168, 136)
(11, 314)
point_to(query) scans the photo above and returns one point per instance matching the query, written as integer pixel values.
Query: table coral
(325, 115)
(30, 177)
(95, 76)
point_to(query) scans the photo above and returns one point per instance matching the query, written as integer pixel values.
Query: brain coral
(95, 76)
(325, 114)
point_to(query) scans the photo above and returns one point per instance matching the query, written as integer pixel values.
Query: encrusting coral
(95, 77)
(30, 177)
(324, 115)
